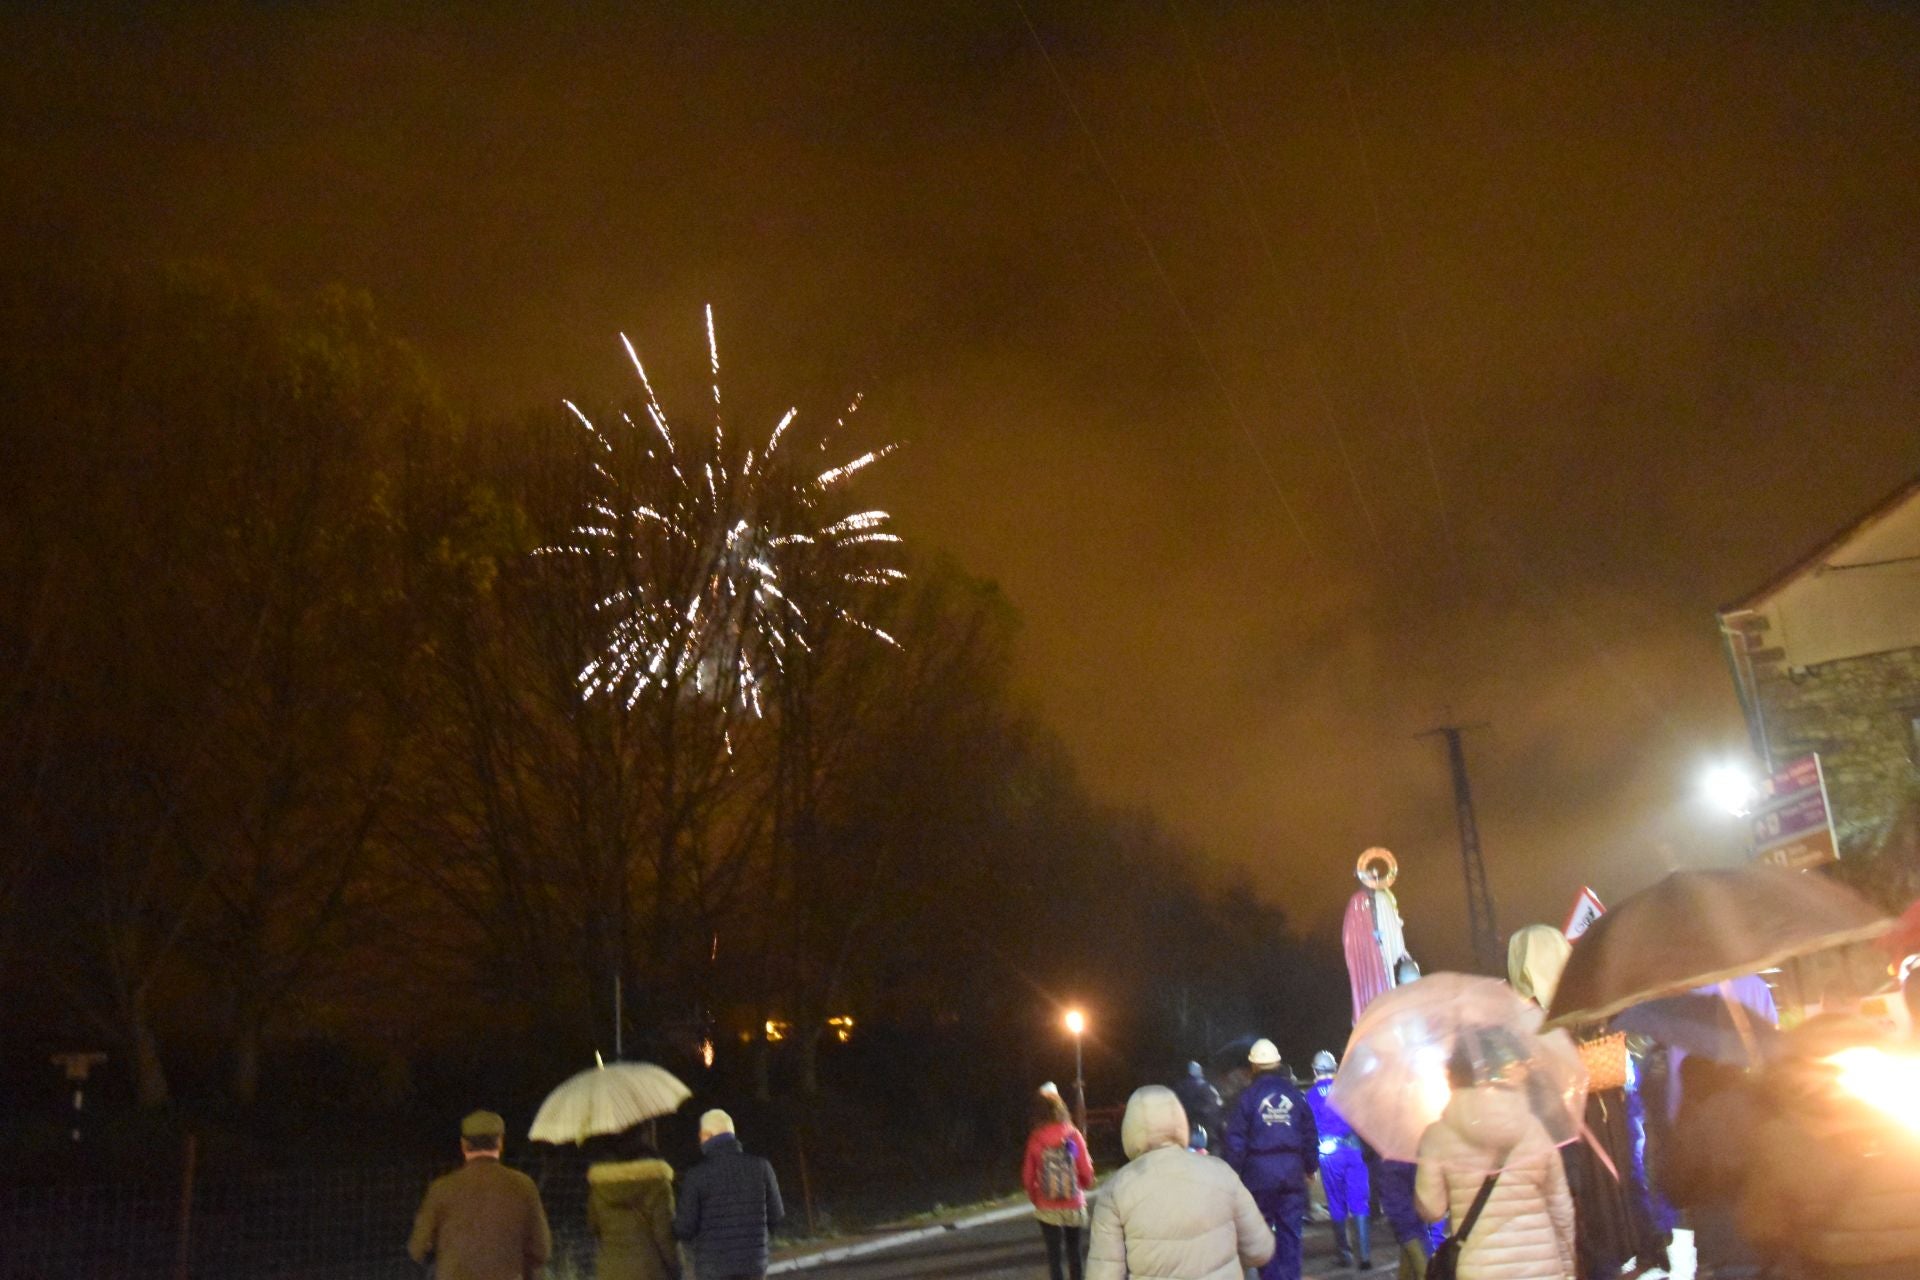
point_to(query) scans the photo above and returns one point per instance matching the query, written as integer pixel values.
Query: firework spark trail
(754, 547)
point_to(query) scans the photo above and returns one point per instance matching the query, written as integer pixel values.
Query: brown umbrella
(1700, 927)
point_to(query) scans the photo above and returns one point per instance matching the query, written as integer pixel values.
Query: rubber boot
(1362, 1246)
(1344, 1257)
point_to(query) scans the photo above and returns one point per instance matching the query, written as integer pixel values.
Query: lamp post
(1076, 1026)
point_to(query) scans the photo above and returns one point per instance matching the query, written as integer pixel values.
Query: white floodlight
(1732, 788)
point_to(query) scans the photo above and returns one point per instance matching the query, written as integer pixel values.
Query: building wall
(1862, 597)
(1845, 610)
(1859, 714)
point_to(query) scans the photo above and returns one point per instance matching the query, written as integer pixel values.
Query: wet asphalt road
(1012, 1251)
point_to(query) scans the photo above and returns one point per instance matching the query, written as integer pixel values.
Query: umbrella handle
(1592, 1139)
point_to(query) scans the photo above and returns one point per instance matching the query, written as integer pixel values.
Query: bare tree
(213, 494)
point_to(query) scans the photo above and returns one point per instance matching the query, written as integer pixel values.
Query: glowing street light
(1076, 1027)
(1730, 787)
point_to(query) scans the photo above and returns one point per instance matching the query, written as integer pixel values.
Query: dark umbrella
(1903, 939)
(1702, 1024)
(1695, 928)
(1233, 1053)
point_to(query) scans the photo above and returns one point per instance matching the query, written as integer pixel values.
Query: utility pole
(1480, 923)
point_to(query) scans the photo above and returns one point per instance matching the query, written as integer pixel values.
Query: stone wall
(1858, 713)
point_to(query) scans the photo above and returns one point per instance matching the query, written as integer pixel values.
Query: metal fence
(316, 1224)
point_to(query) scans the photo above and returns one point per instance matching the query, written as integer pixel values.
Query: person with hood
(1488, 1129)
(1202, 1103)
(1172, 1214)
(630, 1212)
(1057, 1174)
(1613, 1227)
(1833, 1180)
(1274, 1147)
(728, 1205)
(1343, 1170)
(1417, 1239)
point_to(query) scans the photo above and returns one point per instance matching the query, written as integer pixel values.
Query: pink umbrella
(1393, 1080)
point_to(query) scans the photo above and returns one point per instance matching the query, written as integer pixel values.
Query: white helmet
(1263, 1054)
(1323, 1064)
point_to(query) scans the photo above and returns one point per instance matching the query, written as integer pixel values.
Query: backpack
(1059, 1180)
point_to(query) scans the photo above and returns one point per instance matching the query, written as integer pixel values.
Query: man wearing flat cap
(483, 1221)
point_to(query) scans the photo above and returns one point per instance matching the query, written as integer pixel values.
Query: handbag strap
(1479, 1203)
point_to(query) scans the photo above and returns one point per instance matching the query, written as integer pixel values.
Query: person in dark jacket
(1202, 1104)
(1273, 1145)
(630, 1211)
(1832, 1189)
(483, 1221)
(729, 1203)
(1343, 1169)
(1706, 1164)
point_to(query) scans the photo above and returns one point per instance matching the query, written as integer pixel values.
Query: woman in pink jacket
(1057, 1174)
(1525, 1231)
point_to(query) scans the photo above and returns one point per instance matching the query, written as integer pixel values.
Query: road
(1012, 1251)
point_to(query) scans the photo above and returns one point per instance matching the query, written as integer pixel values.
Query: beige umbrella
(608, 1098)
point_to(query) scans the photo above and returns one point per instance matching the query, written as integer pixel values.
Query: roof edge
(1812, 559)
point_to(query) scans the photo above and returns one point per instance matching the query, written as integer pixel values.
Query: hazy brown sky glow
(1642, 277)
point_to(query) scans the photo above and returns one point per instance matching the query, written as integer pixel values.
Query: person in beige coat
(1172, 1214)
(1526, 1230)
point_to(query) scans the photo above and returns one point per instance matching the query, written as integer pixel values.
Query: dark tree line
(295, 750)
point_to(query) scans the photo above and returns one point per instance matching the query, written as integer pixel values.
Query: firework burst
(718, 564)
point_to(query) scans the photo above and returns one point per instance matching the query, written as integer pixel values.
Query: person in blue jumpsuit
(1417, 1239)
(1343, 1169)
(1271, 1143)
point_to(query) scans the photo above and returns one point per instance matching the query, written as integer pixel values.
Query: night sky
(1305, 373)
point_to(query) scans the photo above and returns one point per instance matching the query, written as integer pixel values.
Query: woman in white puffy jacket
(1172, 1214)
(1525, 1232)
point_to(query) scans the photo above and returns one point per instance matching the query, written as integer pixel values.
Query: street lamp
(1076, 1027)
(1732, 788)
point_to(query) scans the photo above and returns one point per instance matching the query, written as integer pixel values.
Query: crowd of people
(485, 1221)
(1764, 1168)
(1796, 1159)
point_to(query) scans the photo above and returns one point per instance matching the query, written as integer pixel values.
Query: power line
(1273, 267)
(1587, 635)
(1166, 282)
(1399, 316)
(1530, 584)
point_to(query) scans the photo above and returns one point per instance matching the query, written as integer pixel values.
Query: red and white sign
(1792, 825)
(1586, 909)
